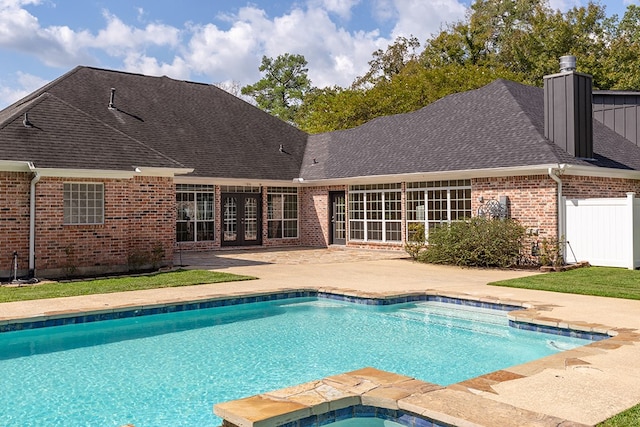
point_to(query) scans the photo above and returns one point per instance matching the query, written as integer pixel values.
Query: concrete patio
(581, 387)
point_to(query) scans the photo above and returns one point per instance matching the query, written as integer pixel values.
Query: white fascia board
(542, 169)
(108, 174)
(435, 176)
(166, 172)
(14, 166)
(84, 173)
(240, 182)
(577, 170)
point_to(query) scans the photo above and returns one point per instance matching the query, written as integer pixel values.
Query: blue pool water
(170, 369)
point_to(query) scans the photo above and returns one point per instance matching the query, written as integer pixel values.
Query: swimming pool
(170, 369)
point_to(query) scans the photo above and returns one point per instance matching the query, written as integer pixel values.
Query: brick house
(102, 171)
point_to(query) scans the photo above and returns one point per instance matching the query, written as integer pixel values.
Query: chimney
(568, 117)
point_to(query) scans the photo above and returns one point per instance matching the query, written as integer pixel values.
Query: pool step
(453, 315)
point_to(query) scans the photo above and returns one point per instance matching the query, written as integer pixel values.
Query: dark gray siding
(567, 111)
(619, 111)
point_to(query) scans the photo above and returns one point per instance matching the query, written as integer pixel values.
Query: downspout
(32, 221)
(554, 174)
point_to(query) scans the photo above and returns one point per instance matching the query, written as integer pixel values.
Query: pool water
(170, 369)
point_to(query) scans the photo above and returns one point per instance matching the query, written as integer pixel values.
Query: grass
(119, 284)
(630, 417)
(599, 281)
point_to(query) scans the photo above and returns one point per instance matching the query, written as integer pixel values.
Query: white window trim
(272, 191)
(384, 221)
(425, 200)
(195, 191)
(100, 217)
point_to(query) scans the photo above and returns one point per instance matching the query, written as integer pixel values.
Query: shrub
(415, 243)
(478, 242)
(551, 253)
(140, 259)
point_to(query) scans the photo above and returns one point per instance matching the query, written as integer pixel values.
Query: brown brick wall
(532, 200)
(14, 221)
(314, 215)
(140, 214)
(139, 217)
(152, 216)
(589, 187)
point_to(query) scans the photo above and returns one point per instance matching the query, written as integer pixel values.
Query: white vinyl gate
(605, 232)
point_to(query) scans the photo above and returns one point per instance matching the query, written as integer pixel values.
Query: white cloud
(314, 28)
(138, 63)
(23, 85)
(425, 18)
(20, 31)
(117, 35)
(342, 8)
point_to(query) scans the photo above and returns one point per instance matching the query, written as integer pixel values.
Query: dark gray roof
(498, 125)
(161, 122)
(193, 125)
(65, 137)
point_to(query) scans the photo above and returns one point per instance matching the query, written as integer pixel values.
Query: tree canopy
(283, 86)
(520, 40)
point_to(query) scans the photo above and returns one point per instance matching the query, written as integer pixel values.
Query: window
(195, 221)
(437, 202)
(375, 213)
(282, 212)
(83, 203)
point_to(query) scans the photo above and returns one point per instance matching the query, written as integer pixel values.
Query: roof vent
(112, 98)
(26, 122)
(567, 63)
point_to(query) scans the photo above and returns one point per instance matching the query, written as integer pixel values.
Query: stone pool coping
(521, 314)
(443, 406)
(467, 403)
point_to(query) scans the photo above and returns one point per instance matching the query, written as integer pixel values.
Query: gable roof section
(500, 125)
(63, 137)
(198, 125)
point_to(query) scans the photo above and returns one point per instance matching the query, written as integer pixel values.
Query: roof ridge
(118, 131)
(44, 89)
(19, 109)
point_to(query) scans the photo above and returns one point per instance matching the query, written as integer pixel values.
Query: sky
(212, 41)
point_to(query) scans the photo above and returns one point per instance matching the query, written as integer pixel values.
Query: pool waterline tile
(528, 320)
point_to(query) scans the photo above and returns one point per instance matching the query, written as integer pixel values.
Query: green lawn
(119, 284)
(600, 281)
(630, 417)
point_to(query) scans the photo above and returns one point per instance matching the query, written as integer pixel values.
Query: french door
(241, 219)
(338, 218)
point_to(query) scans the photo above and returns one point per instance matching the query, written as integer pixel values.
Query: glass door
(338, 219)
(241, 219)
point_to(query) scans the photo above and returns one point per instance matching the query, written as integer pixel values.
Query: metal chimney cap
(567, 63)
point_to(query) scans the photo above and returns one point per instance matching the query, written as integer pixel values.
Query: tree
(386, 64)
(411, 89)
(233, 87)
(526, 37)
(283, 87)
(621, 65)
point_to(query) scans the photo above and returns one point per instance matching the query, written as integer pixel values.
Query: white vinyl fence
(605, 232)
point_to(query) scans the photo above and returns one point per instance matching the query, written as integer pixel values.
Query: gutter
(32, 221)
(554, 174)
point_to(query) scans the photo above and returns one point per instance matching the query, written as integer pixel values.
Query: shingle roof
(498, 125)
(161, 122)
(55, 123)
(198, 126)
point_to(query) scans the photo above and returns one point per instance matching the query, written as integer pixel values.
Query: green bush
(415, 242)
(478, 242)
